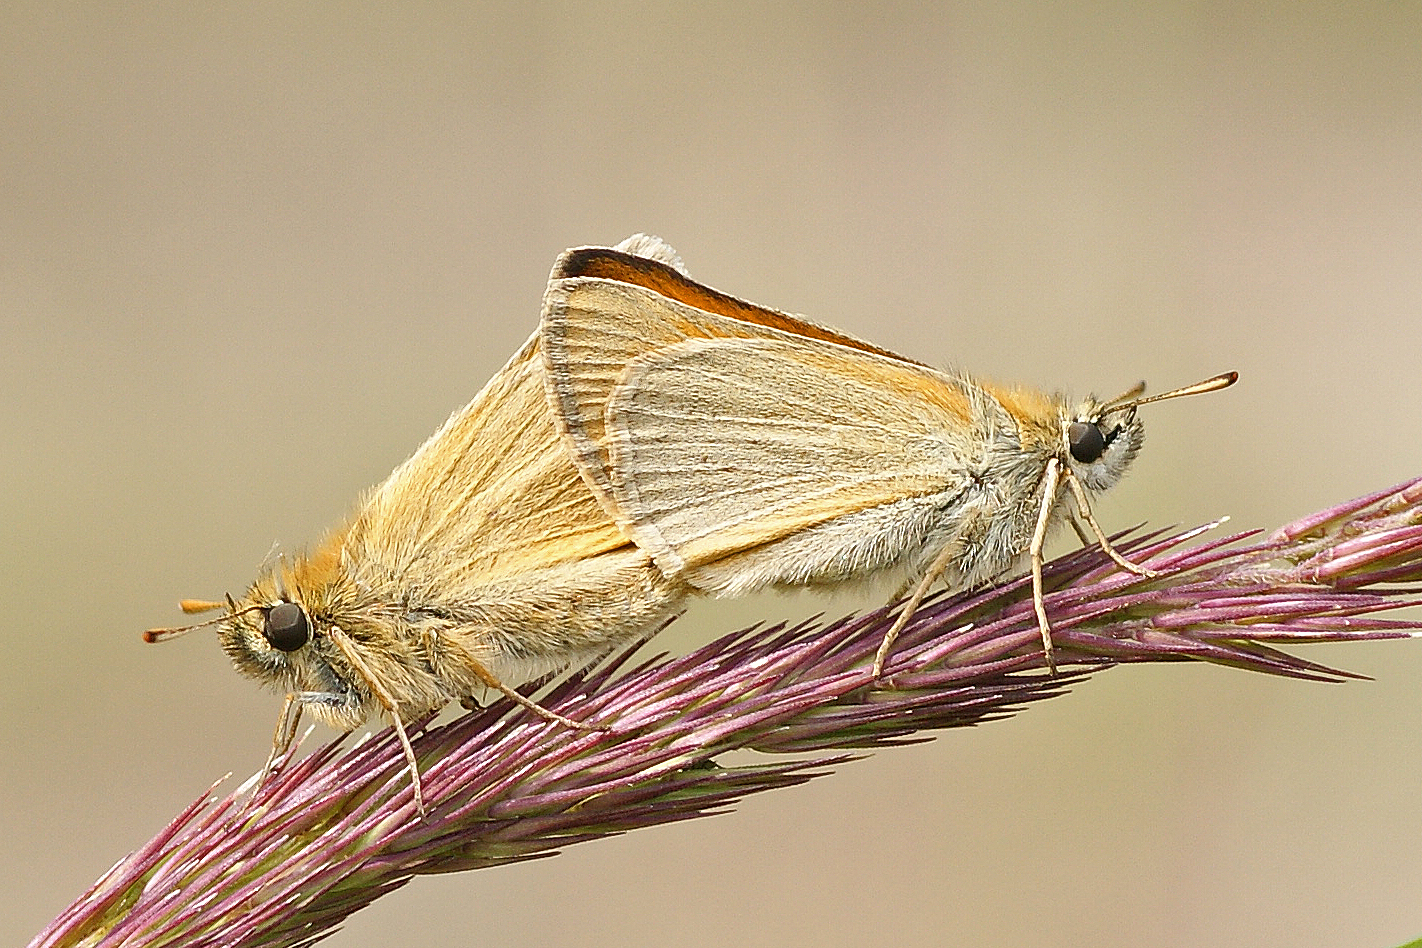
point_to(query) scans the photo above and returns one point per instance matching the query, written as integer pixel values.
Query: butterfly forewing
(604, 308)
(725, 445)
(492, 494)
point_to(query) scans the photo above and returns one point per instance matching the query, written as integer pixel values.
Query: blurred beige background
(250, 258)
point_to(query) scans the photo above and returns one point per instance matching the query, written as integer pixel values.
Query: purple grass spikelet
(282, 862)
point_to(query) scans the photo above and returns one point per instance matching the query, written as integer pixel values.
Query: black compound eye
(287, 628)
(1086, 440)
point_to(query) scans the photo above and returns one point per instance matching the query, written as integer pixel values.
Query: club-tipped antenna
(192, 606)
(1133, 399)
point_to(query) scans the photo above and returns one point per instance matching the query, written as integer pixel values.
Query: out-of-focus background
(250, 257)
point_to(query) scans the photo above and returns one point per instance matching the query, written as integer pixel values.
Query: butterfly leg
(465, 659)
(352, 654)
(1084, 507)
(1081, 534)
(930, 576)
(492, 681)
(287, 722)
(1039, 539)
